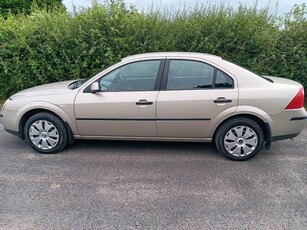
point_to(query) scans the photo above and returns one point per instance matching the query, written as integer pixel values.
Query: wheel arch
(30, 112)
(265, 126)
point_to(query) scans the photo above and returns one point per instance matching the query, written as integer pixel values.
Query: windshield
(257, 74)
(76, 84)
(80, 82)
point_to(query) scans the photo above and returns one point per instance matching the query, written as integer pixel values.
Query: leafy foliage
(51, 45)
(292, 46)
(19, 6)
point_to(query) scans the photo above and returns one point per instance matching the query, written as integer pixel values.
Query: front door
(125, 105)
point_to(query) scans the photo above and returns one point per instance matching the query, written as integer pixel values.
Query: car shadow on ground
(141, 147)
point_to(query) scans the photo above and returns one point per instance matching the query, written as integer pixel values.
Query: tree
(19, 6)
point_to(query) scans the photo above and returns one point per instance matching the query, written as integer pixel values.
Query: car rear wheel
(46, 133)
(239, 138)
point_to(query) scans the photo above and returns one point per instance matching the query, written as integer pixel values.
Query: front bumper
(15, 133)
(9, 120)
(2, 121)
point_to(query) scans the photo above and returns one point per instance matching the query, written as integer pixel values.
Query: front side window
(137, 76)
(189, 75)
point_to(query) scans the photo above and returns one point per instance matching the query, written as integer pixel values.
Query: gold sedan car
(162, 97)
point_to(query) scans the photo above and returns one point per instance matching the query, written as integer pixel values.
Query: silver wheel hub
(44, 135)
(240, 141)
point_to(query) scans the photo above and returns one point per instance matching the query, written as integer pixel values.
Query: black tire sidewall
(63, 136)
(219, 140)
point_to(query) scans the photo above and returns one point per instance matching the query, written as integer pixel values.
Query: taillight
(298, 100)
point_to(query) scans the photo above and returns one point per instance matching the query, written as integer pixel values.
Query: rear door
(193, 94)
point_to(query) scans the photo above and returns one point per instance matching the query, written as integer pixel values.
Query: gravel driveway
(151, 185)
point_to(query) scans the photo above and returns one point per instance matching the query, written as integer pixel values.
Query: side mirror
(95, 87)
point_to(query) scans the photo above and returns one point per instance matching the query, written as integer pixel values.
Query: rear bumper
(298, 118)
(288, 123)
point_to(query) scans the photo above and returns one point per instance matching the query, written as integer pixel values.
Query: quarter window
(138, 76)
(189, 75)
(223, 80)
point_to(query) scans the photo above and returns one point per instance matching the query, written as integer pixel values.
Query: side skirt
(143, 138)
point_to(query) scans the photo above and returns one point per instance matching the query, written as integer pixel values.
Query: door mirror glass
(95, 87)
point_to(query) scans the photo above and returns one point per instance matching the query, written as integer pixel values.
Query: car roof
(171, 54)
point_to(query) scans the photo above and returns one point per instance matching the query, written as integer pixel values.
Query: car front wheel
(239, 138)
(46, 133)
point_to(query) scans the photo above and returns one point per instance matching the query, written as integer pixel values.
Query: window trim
(163, 86)
(157, 84)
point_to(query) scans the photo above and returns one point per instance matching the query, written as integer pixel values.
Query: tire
(46, 133)
(239, 138)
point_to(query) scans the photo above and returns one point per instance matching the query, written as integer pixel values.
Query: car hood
(57, 88)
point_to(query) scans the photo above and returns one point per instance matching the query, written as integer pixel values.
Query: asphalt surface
(149, 185)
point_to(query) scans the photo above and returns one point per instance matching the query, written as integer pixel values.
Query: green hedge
(52, 45)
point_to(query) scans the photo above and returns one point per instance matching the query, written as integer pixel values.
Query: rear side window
(184, 74)
(193, 75)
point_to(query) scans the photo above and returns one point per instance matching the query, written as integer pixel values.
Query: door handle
(222, 100)
(144, 102)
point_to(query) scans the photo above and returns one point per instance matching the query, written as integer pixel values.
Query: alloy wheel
(240, 141)
(43, 134)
